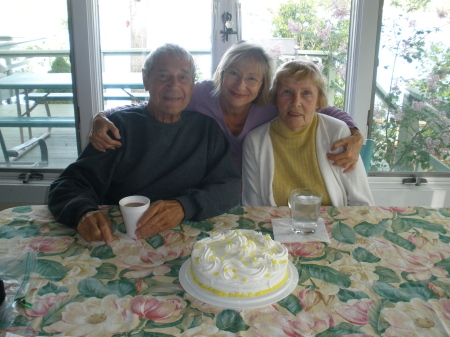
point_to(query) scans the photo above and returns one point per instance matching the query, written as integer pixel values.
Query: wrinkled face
(241, 84)
(297, 102)
(170, 85)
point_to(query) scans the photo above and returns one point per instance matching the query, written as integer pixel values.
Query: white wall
(389, 191)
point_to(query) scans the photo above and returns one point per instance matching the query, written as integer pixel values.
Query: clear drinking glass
(305, 209)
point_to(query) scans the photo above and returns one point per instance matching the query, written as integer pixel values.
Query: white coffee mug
(132, 208)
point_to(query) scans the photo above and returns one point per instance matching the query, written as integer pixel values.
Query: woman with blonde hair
(290, 151)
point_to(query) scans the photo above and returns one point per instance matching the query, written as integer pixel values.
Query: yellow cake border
(237, 294)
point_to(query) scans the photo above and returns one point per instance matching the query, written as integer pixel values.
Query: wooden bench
(45, 122)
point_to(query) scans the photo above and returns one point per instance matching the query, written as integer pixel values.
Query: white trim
(86, 62)
(362, 56)
(390, 191)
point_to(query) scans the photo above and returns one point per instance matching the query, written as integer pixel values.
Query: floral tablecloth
(385, 273)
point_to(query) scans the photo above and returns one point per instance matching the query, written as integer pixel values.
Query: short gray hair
(301, 70)
(165, 50)
(241, 53)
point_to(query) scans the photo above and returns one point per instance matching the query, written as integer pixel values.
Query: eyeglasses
(250, 81)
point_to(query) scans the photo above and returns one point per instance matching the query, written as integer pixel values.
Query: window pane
(310, 30)
(35, 81)
(412, 105)
(130, 29)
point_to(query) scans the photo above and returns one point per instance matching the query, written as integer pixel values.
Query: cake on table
(239, 263)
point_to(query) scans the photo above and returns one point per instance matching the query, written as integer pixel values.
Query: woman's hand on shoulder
(352, 147)
(99, 137)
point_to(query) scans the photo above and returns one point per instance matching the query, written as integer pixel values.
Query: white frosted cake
(239, 263)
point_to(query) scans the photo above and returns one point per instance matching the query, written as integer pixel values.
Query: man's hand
(161, 215)
(352, 147)
(99, 137)
(95, 227)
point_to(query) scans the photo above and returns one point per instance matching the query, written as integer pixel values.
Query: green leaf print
(158, 288)
(51, 288)
(386, 275)
(444, 239)
(343, 233)
(420, 289)
(398, 240)
(103, 252)
(205, 226)
(106, 271)
(292, 304)
(343, 328)
(155, 241)
(191, 319)
(91, 287)
(246, 223)
(367, 229)
(303, 274)
(445, 264)
(378, 323)
(54, 313)
(328, 275)
(402, 294)
(22, 209)
(363, 255)
(230, 320)
(151, 334)
(428, 226)
(445, 212)
(238, 210)
(9, 232)
(346, 295)
(20, 321)
(400, 226)
(51, 270)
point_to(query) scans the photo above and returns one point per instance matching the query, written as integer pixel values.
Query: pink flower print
(166, 310)
(42, 304)
(50, 245)
(354, 311)
(306, 249)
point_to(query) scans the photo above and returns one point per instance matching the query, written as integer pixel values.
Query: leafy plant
(314, 29)
(412, 116)
(411, 120)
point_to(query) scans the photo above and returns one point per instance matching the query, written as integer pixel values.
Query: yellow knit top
(294, 171)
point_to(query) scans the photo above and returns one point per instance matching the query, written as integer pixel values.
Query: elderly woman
(238, 99)
(289, 152)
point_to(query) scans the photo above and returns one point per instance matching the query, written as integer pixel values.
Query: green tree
(411, 121)
(60, 65)
(319, 26)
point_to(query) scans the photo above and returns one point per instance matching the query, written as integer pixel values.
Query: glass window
(310, 30)
(129, 30)
(411, 119)
(37, 127)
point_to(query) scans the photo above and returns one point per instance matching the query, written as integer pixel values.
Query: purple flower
(325, 33)
(340, 9)
(431, 145)
(418, 106)
(441, 13)
(276, 51)
(398, 116)
(294, 27)
(433, 81)
(446, 138)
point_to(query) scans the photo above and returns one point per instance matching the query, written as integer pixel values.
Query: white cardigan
(349, 189)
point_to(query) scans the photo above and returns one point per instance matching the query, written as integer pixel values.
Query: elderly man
(179, 159)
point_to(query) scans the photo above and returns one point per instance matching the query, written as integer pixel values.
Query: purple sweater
(204, 102)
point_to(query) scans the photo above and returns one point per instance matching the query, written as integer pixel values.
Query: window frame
(86, 62)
